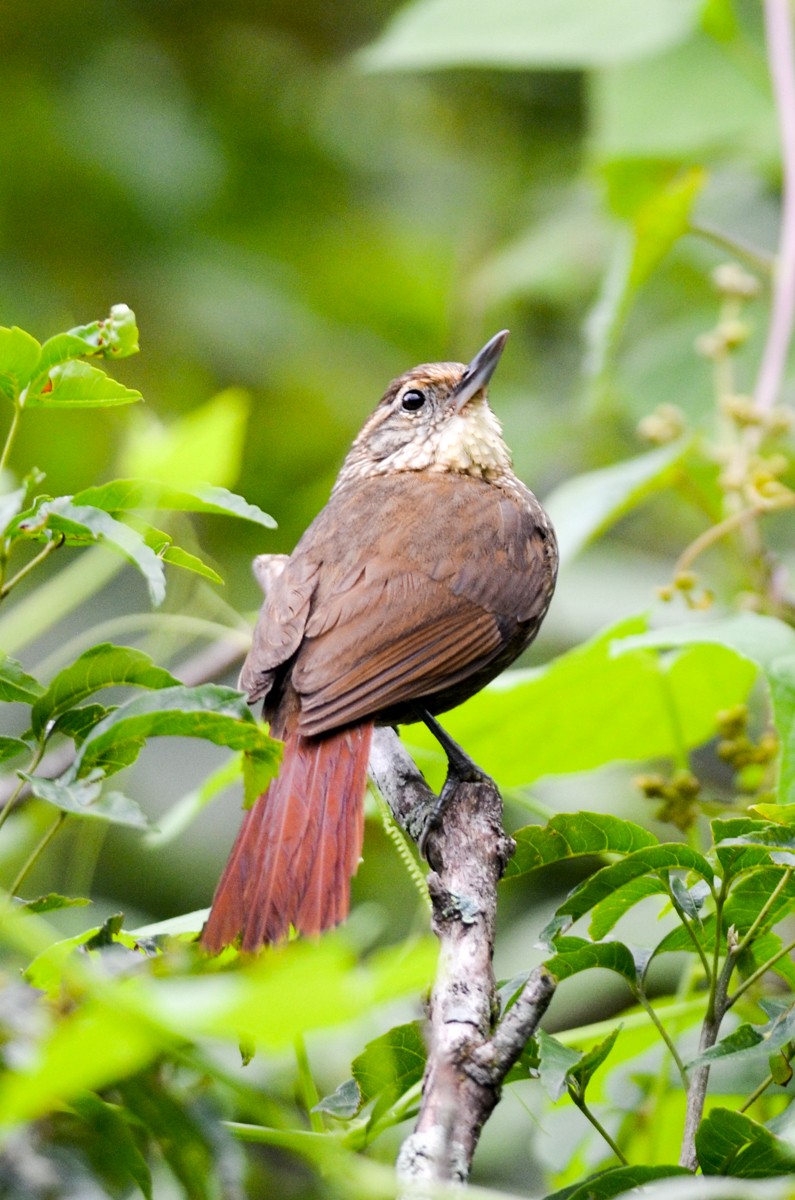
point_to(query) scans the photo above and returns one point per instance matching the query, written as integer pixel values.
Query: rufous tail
(298, 845)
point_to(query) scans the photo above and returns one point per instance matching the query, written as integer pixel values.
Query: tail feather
(297, 847)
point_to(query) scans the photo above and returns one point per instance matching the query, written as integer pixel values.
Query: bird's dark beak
(480, 370)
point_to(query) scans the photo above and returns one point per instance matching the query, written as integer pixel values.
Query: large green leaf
(77, 384)
(102, 666)
(217, 714)
(576, 954)
(559, 34)
(616, 1181)
(85, 798)
(19, 353)
(582, 508)
(16, 684)
(651, 860)
(389, 1065)
(730, 1143)
(10, 747)
(569, 835)
(123, 495)
(554, 1063)
(765, 641)
(530, 723)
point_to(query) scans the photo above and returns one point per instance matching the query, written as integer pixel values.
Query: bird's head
(436, 418)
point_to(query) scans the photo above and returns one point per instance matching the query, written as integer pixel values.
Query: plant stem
(12, 799)
(764, 910)
(765, 1084)
(36, 851)
(55, 544)
(646, 1004)
(759, 972)
(12, 433)
(599, 1127)
(690, 932)
(697, 1092)
(307, 1087)
(756, 258)
(781, 61)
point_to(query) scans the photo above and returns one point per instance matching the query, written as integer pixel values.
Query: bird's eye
(412, 400)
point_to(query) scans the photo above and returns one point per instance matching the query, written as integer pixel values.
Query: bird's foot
(460, 769)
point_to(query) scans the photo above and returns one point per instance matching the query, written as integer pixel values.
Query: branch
(468, 1054)
(781, 60)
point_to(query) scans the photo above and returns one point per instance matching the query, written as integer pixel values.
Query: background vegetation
(298, 203)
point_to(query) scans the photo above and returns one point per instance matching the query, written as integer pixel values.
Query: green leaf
(581, 1073)
(529, 723)
(576, 954)
(764, 641)
(164, 548)
(744, 1038)
(217, 714)
(10, 747)
(77, 384)
(103, 1131)
(656, 860)
(176, 1130)
(730, 1143)
(52, 902)
(763, 948)
(658, 225)
(85, 798)
(115, 336)
(569, 835)
(78, 722)
(82, 523)
(19, 353)
(16, 684)
(389, 1065)
(124, 495)
(102, 666)
(547, 34)
(554, 1063)
(343, 1103)
(582, 508)
(751, 892)
(619, 1180)
(609, 911)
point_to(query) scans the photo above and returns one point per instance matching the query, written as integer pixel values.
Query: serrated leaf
(569, 835)
(52, 902)
(76, 723)
(781, 814)
(609, 911)
(764, 947)
(575, 955)
(217, 714)
(77, 384)
(730, 1143)
(559, 34)
(82, 523)
(554, 1063)
(16, 684)
(125, 495)
(651, 860)
(751, 892)
(389, 1065)
(19, 353)
(744, 1038)
(105, 665)
(581, 1073)
(343, 1103)
(85, 798)
(584, 507)
(10, 747)
(163, 546)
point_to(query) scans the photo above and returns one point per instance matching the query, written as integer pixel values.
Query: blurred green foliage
(299, 202)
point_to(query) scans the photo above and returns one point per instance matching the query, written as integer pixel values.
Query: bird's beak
(480, 370)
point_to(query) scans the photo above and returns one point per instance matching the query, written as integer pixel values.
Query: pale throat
(470, 443)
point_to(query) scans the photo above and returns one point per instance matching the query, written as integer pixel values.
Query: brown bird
(429, 570)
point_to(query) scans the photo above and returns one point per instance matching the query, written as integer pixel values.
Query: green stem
(758, 259)
(307, 1089)
(645, 1003)
(599, 1127)
(759, 972)
(763, 912)
(765, 1084)
(12, 433)
(35, 852)
(12, 799)
(690, 932)
(55, 544)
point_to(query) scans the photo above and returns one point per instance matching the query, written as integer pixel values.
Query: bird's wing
(442, 578)
(281, 622)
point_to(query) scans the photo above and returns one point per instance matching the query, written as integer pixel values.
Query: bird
(429, 570)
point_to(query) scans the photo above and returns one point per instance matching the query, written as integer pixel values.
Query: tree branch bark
(470, 1050)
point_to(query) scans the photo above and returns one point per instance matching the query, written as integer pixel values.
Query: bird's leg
(460, 769)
